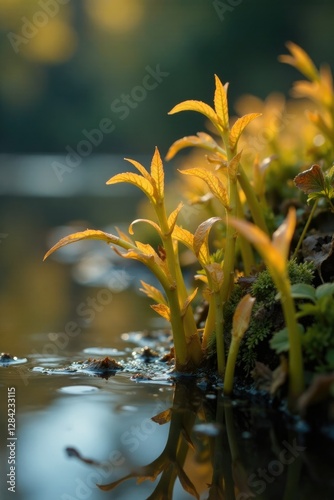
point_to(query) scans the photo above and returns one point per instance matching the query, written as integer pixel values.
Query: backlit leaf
(201, 140)
(242, 316)
(163, 417)
(158, 175)
(238, 127)
(152, 293)
(89, 234)
(140, 168)
(162, 309)
(215, 185)
(147, 221)
(300, 60)
(220, 100)
(188, 301)
(187, 485)
(135, 179)
(198, 106)
(187, 238)
(124, 236)
(202, 233)
(216, 275)
(173, 217)
(233, 166)
(311, 180)
(283, 235)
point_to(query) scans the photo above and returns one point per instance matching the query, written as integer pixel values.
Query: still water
(73, 430)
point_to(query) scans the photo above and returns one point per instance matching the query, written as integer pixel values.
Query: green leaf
(303, 291)
(280, 341)
(324, 290)
(311, 180)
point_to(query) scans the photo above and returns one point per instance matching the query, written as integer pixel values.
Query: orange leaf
(140, 168)
(201, 140)
(137, 180)
(214, 183)
(198, 106)
(162, 309)
(173, 217)
(221, 105)
(150, 222)
(242, 316)
(300, 60)
(216, 275)
(188, 301)
(202, 233)
(89, 234)
(152, 293)
(163, 417)
(158, 175)
(238, 127)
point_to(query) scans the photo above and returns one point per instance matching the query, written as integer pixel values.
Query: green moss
(267, 316)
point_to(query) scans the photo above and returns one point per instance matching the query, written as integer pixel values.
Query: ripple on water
(8, 360)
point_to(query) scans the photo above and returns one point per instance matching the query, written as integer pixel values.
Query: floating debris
(7, 359)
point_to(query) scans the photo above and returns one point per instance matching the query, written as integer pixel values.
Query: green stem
(230, 365)
(219, 328)
(246, 250)
(302, 236)
(296, 370)
(253, 202)
(209, 327)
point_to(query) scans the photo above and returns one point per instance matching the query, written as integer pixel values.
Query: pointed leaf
(242, 316)
(311, 180)
(216, 275)
(140, 168)
(300, 60)
(158, 175)
(163, 417)
(114, 484)
(233, 167)
(173, 217)
(187, 238)
(135, 179)
(89, 234)
(283, 235)
(162, 309)
(123, 236)
(188, 301)
(262, 243)
(147, 221)
(187, 485)
(153, 293)
(214, 183)
(238, 127)
(303, 291)
(198, 106)
(201, 140)
(221, 105)
(202, 233)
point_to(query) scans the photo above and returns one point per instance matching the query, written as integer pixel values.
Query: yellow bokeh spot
(53, 43)
(118, 16)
